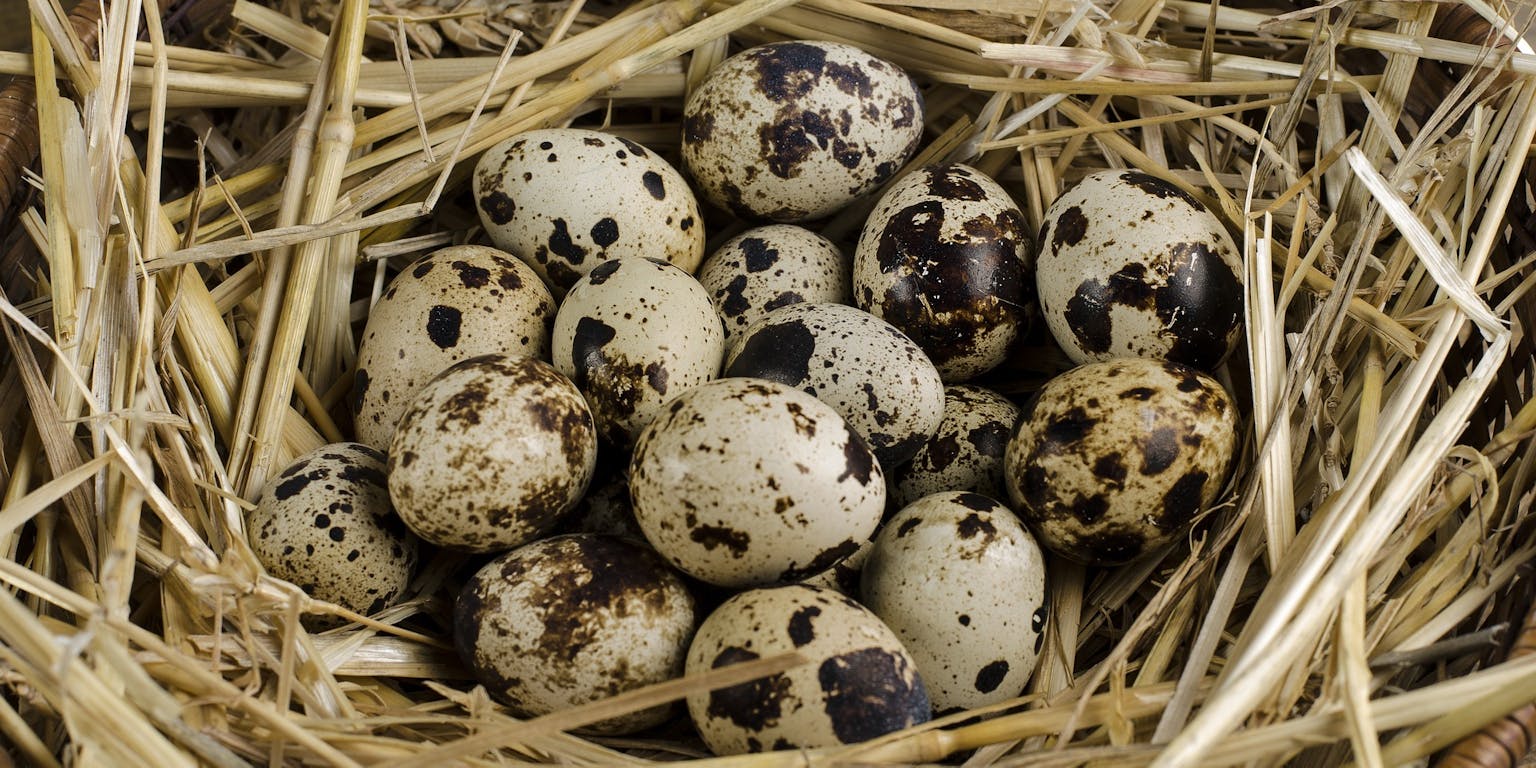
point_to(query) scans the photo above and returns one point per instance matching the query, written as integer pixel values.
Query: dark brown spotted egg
(325, 524)
(859, 683)
(1131, 265)
(567, 199)
(962, 583)
(572, 619)
(966, 453)
(795, 130)
(633, 334)
(769, 267)
(450, 305)
(945, 256)
(491, 454)
(1117, 458)
(745, 482)
(863, 367)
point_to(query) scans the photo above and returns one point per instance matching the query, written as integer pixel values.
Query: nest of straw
(221, 191)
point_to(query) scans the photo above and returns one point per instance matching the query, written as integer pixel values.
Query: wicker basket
(199, 223)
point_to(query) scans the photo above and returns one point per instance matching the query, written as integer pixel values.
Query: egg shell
(966, 453)
(792, 131)
(1116, 458)
(633, 334)
(946, 257)
(450, 305)
(567, 199)
(769, 267)
(572, 619)
(745, 482)
(1132, 266)
(843, 577)
(326, 525)
(859, 683)
(864, 368)
(491, 454)
(962, 583)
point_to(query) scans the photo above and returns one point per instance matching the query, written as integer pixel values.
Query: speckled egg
(859, 682)
(572, 619)
(962, 583)
(1132, 266)
(450, 305)
(945, 257)
(633, 334)
(843, 577)
(1117, 458)
(745, 482)
(966, 453)
(795, 130)
(491, 454)
(325, 524)
(769, 267)
(864, 368)
(567, 199)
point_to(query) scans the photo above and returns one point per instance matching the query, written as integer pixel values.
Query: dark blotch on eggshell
(788, 71)
(751, 706)
(654, 185)
(605, 232)
(1159, 451)
(498, 206)
(1158, 188)
(1069, 228)
(714, 536)
(991, 676)
(1182, 501)
(443, 325)
(871, 692)
(802, 629)
(561, 244)
(471, 276)
(821, 562)
(758, 254)
(587, 348)
(778, 352)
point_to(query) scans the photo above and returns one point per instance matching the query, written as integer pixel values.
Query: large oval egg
(946, 257)
(567, 199)
(1132, 266)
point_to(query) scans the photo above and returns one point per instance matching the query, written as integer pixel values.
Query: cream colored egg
(962, 583)
(567, 199)
(966, 453)
(450, 305)
(858, 683)
(792, 131)
(770, 267)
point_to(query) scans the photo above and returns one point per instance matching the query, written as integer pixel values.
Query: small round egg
(769, 267)
(962, 583)
(864, 368)
(859, 682)
(966, 453)
(491, 454)
(633, 334)
(945, 256)
(1132, 266)
(567, 199)
(1117, 458)
(325, 524)
(792, 131)
(573, 619)
(745, 482)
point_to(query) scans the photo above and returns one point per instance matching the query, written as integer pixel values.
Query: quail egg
(633, 334)
(491, 454)
(859, 682)
(567, 199)
(966, 453)
(945, 257)
(792, 131)
(962, 583)
(769, 267)
(745, 482)
(1132, 266)
(1116, 458)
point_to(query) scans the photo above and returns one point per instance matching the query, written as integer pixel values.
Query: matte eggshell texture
(793, 131)
(1131, 266)
(450, 305)
(634, 334)
(769, 267)
(567, 199)
(946, 257)
(966, 453)
(492, 454)
(572, 619)
(1117, 458)
(325, 524)
(744, 482)
(859, 683)
(864, 368)
(962, 583)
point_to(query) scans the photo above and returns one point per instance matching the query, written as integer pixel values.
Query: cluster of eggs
(788, 424)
